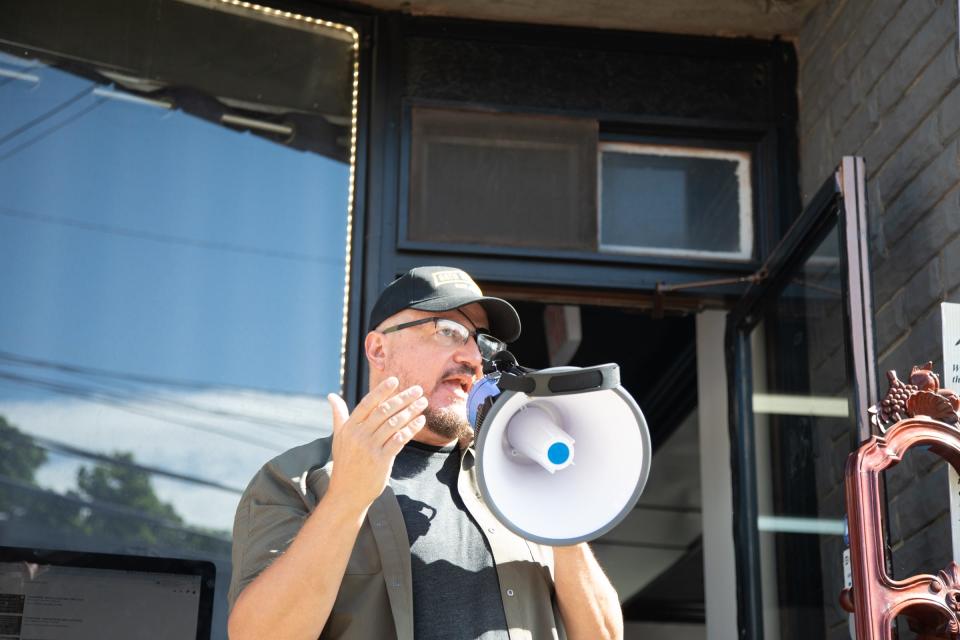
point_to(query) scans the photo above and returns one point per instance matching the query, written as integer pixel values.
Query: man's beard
(448, 423)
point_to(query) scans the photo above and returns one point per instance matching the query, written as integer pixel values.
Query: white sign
(950, 320)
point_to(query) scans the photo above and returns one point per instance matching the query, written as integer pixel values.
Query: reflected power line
(98, 396)
(139, 394)
(49, 132)
(136, 377)
(46, 115)
(107, 507)
(69, 450)
(166, 238)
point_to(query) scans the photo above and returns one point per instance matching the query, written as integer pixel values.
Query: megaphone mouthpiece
(535, 433)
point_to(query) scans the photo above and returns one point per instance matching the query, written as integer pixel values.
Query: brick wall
(879, 78)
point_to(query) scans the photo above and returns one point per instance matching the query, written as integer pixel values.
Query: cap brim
(503, 319)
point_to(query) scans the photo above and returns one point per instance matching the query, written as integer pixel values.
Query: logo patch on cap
(455, 278)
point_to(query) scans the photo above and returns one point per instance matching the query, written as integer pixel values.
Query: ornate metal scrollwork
(915, 413)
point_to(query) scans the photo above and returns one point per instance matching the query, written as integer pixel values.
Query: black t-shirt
(456, 592)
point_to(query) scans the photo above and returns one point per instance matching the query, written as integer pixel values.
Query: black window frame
(405, 76)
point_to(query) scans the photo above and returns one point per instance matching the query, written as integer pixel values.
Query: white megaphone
(562, 454)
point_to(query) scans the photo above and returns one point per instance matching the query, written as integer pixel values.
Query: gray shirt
(376, 594)
(456, 592)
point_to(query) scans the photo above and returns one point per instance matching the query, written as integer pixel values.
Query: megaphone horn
(562, 454)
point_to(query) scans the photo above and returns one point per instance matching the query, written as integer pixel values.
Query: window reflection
(676, 201)
(802, 432)
(173, 283)
(169, 279)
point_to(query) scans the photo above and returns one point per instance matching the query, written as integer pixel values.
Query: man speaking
(378, 531)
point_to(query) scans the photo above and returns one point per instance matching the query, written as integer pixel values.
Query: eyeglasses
(450, 333)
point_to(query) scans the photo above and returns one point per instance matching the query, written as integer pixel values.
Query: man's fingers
(377, 395)
(399, 420)
(403, 436)
(376, 408)
(389, 407)
(339, 409)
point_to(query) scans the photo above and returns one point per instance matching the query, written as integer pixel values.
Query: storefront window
(174, 225)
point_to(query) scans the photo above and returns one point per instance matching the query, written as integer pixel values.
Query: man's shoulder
(290, 470)
(295, 462)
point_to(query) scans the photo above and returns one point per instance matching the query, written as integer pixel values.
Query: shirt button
(491, 530)
(510, 592)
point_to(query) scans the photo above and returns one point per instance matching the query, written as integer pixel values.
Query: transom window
(537, 184)
(681, 201)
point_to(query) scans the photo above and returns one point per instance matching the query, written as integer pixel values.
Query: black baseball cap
(444, 289)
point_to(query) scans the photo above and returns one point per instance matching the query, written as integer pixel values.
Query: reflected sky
(145, 240)
(170, 286)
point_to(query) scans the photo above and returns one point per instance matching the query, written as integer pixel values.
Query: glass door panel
(801, 413)
(796, 356)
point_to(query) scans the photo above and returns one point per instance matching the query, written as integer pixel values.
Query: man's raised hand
(366, 441)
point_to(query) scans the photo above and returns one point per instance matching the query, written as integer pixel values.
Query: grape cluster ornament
(921, 395)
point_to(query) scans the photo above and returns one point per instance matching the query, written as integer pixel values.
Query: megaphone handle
(552, 383)
(512, 382)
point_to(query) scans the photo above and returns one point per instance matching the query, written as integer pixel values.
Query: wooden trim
(929, 602)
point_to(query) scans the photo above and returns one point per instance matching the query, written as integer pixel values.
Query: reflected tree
(113, 501)
(125, 507)
(21, 499)
(129, 508)
(19, 456)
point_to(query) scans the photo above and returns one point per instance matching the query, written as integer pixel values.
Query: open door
(801, 374)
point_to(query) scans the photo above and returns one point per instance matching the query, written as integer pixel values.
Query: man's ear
(374, 346)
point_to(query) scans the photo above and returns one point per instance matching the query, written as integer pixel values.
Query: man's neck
(425, 436)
